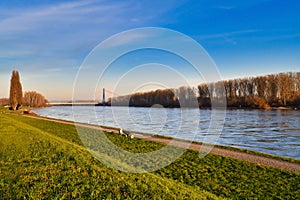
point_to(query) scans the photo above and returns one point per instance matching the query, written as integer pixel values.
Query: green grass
(293, 160)
(236, 149)
(41, 159)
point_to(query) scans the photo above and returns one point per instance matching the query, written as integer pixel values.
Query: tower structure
(103, 97)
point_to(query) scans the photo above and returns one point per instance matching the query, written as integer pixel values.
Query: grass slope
(41, 159)
(38, 161)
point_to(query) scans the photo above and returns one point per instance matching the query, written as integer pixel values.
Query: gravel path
(257, 159)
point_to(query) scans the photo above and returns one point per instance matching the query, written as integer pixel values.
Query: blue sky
(48, 40)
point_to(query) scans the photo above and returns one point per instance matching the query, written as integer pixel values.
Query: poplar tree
(16, 94)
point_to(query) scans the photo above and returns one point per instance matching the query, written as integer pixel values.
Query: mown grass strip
(80, 175)
(49, 166)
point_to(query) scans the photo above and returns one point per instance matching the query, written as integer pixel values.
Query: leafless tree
(254, 92)
(34, 99)
(4, 102)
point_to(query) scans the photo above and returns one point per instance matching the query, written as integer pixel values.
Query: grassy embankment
(41, 159)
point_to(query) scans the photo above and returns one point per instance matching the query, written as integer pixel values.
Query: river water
(274, 132)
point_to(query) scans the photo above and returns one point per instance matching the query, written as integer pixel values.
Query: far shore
(94, 103)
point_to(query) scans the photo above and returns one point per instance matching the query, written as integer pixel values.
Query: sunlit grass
(42, 159)
(35, 163)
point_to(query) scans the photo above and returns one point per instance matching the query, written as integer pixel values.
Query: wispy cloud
(30, 19)
(14, 53)
(121, 40)
(230, 5)
(270, 37)
(227, 34)
(226, 7)
(49, 70)
(229, 37)
(50, 40)
(57, 29)
(63, 27)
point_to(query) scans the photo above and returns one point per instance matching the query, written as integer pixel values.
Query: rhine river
(274, 132)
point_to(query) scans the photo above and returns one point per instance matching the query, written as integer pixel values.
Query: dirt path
(260, 160)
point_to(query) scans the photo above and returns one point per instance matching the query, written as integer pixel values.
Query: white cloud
(30, 19)
(49, 70)
(226, 7)
(227, 34)
(121, 40)
(49, 41)
(64, 28)
(14, 53)
(228, 37)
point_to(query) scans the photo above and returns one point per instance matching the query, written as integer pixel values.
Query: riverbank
(41, 158)
(249, 156)
(271, 132)
(200, 107)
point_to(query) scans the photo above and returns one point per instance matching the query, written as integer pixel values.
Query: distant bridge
(77, 103)
(85, 102)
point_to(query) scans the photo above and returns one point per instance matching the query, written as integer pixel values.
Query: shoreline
(87, 103)
(256, 150)
(264, 159)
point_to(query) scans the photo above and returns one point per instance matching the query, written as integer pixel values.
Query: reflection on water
(273, 132)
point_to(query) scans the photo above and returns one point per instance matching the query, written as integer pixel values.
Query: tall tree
(16, 94)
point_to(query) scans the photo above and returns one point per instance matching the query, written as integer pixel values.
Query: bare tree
(34, 99)
(4, 102)
(285, 86)
(254, 92)
(16, 94)
(258, 92)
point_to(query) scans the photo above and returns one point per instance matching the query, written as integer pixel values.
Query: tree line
(16, 98)
(34, 99)
(168, 98)
(272, 90)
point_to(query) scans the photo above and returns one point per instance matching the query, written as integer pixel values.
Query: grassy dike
(41, 159)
